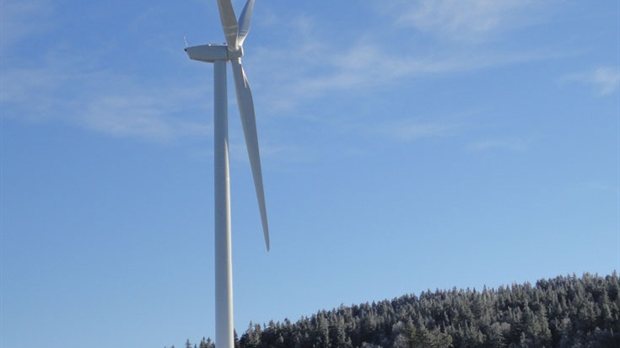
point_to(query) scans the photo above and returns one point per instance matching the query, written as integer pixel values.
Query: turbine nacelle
(212, 53)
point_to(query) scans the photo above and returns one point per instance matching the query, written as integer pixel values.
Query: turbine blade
(244, 21)
(229, 23)
(248, 120)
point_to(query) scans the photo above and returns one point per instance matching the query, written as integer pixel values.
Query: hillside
(560, 312)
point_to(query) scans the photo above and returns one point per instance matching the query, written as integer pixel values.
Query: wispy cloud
(605, 80)
(147, 115)
(463, 20)
(599, 186)
(78, 85)
(71, 90)
(21, 19)
(407, 130)
(510, 144)
(311, 66)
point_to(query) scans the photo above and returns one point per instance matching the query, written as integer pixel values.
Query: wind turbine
(218, 54)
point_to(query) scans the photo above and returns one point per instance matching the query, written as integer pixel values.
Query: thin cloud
(310, 66)
(21, 19)
(29, 89)
(362, 66)
(301, 72)
(605, 80)
(409, 130)
(463, 20)
(140, 115)
(599, 186)
(64, 83)
(510, 144)
(104, 101)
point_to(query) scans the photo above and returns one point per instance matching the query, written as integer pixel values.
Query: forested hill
(560, 312)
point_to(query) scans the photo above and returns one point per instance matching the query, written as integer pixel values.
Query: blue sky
(406, 146)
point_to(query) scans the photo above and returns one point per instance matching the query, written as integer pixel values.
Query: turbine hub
(232, 55)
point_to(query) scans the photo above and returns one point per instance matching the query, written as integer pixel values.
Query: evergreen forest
(561, 312)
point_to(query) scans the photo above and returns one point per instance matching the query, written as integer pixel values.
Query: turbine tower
(235, 32)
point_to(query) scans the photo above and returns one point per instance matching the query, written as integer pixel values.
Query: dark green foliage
(561, 312)
(206, 343)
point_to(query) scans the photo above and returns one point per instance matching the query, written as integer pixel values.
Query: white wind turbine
(219, 55)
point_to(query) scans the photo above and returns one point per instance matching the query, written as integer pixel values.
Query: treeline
(561, 312)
